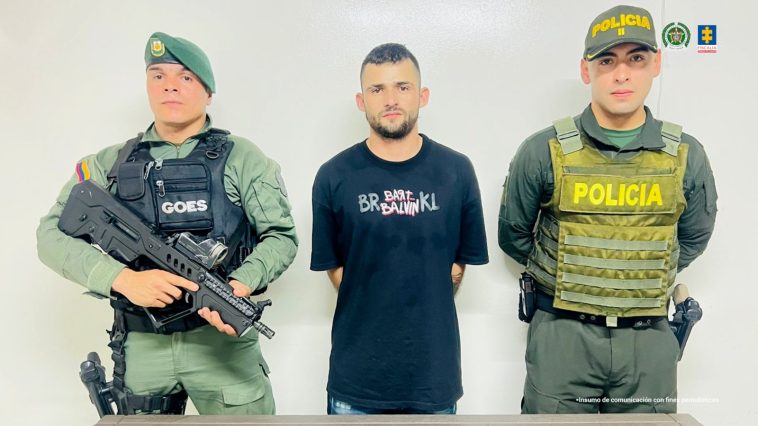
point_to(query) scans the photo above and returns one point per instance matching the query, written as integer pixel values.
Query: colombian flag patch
(82, 170)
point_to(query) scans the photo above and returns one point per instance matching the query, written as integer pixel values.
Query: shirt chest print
(401, 202)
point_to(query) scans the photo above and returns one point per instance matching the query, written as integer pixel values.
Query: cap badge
(157, 48)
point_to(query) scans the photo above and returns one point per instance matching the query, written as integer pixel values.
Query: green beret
(162, 48)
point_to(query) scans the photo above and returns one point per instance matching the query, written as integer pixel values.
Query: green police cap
(162, 48)
(621, 24)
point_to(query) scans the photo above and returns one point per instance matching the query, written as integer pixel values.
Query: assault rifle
(96, 216)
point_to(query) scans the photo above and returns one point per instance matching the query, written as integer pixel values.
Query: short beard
(400, 132)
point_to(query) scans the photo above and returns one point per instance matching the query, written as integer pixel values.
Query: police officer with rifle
(189, 221)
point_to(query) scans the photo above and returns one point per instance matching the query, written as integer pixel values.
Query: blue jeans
(337, 407)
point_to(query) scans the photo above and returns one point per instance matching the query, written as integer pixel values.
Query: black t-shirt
(397, 228)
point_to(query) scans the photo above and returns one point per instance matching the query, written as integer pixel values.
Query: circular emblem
(157, 48)
(676, 35)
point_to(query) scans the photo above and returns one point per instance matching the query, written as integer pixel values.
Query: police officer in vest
(603, 209)
(182, 175)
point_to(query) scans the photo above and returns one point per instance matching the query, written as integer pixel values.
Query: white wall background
(71, 82)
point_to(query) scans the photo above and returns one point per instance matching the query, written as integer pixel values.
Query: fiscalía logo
(157, 48)
(676, 35)
(623, 21)
(184, 206)
(706, 39)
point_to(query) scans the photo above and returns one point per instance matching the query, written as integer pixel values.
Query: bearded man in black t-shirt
(396, 218)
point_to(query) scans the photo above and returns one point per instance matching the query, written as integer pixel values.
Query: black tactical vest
(183, 195)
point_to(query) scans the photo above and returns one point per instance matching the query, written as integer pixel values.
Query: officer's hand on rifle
(240, 290)
(152, 288)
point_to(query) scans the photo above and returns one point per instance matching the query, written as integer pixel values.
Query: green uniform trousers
(221, 374)
(574, 367)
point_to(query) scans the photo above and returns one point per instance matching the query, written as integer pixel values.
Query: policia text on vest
(609, 241)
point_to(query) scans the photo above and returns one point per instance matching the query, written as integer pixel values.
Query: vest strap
(615, 302)
(568, 135)
(546, 241)
(541, 276)
(603, 243)
(629, 284)
(671, 135)
(550, 223)
(542, 258)
(595, 262)
(123, 154)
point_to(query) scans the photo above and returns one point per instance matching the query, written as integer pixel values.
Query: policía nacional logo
(676, 35)
(157, 48)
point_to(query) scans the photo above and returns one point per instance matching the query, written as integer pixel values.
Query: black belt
(545, 303)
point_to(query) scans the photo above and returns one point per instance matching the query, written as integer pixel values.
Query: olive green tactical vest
(606, 242)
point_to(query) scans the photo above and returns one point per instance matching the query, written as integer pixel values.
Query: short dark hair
(389, 52)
